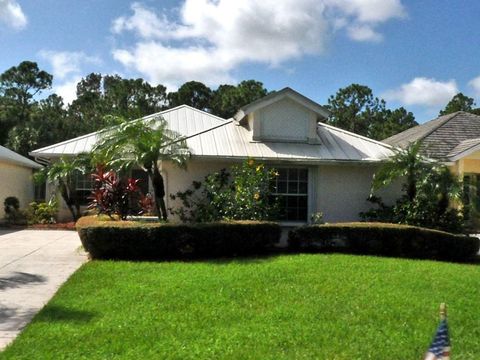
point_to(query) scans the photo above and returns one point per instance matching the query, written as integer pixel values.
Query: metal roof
(234, 141)
(183, 119)
(212, 137)
(10, 156)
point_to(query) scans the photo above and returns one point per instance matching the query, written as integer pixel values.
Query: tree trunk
(68, 200)
(159, 191)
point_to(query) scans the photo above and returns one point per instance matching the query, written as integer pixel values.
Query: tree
(459, 102)
(407, 164)
(144, 144)
(430, 191)
(391, 122)
(354, 108)
(192, 93)
(62, 174)
(45, 126)
(228, 99)
(18, 87)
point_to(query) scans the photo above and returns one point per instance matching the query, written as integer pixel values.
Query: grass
(285, 307)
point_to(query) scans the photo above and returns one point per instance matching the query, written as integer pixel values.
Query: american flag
(440, 348)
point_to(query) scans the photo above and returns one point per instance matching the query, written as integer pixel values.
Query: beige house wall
(339, 191)
(15, 180)
(342, 191)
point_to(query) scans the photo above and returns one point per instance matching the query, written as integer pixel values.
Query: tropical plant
(62, 173)
(112, 194)
(144, 144)
(42, 212)
(13, 214)
(432, 194)
(243, 194)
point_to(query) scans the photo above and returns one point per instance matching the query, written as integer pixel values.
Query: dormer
(282, 116)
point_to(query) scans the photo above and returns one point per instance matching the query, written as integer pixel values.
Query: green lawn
(285, 307)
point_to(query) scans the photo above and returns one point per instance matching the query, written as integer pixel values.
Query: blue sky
(415, 54)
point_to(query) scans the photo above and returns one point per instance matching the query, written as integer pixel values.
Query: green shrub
(42, 212)
(245, 194)
(384, 239)
(130, 240)
(13, 214)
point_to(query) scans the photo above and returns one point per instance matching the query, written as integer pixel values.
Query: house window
(291, 190)
(83, 187)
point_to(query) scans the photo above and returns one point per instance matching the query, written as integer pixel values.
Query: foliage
(228, 99)
(432, 194)
(144, 144)
(317, 218)
(246, 194)
(192, 93)
(384, 239)
(460, 102)
(281, 307)
(355, 109)
(62, 174)
(13, 214)
(136, 240)
(112, 194)
(42, 212)
(11, 204)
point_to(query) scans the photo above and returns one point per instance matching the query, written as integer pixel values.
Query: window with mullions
(291, 190)
(83, 187)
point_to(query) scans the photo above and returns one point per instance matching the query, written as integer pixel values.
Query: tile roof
(440, 136)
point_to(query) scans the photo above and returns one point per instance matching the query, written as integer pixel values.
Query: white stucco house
(16, 178)
(322, 168)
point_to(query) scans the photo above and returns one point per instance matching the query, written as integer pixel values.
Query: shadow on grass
(18, 279)
(57, 313)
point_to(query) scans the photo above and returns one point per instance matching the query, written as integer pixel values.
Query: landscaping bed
(384, 239)
(310, 306)
(105, 238)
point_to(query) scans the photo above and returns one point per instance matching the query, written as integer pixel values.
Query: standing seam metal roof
(210, 136)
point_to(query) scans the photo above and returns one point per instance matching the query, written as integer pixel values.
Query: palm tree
(144, 144)
(62, 174)
(408, 164)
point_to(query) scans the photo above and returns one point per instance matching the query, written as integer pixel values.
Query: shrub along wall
(129, 240)
(384, 239)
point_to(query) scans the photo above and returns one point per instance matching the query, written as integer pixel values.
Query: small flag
(440, 347)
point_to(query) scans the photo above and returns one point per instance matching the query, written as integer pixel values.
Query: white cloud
(67, 68)
(65, 63)
(67, 89)
(213, 37)
(424, 91)
(475, 85)
(12, 14)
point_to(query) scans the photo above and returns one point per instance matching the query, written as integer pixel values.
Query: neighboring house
(454, 140)
(322, 168)
(16, 178)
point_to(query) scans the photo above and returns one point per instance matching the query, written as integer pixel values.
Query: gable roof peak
(275, 96)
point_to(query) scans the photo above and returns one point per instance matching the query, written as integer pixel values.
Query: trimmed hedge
(384, 239)
(130, 240)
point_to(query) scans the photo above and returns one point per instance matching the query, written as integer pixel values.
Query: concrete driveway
(33, 265)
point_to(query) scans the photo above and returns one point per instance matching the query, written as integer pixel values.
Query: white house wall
(15, 181)
(284, 120)
(342, 190)
(339, 191)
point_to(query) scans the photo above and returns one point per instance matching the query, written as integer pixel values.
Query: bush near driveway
(384, 239)
(130, 240)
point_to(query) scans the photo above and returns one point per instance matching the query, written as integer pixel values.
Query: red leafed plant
(112, 194)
